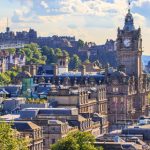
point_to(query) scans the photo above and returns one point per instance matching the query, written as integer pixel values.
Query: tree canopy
(80, 43)
(74, 62)
(87, 61)
(76, 141)
(33, 54)
(8, 76)
(53, 54)
(9, 139)
(12, 50)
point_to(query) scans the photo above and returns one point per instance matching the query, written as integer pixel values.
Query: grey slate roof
(24, 126)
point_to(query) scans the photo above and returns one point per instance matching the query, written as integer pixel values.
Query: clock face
(127, 42)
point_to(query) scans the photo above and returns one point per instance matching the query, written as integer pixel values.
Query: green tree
(58, 52)
(20, 51)
(85, 140)
(45, 50)
(68, 143)
(80, 43)
(66, 54)
(8, 76)
(51, 57)
(33, 54)
(12, 50)
(16, 69)
(37, 54)
(4, 79)
(75, 62)
(100, 148)
(9, 139)
(76, 141)
(87, 61)
(28, 53)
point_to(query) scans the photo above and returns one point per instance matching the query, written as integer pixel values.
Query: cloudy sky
(90, 20)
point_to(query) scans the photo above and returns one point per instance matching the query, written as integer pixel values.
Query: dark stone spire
(129, 22)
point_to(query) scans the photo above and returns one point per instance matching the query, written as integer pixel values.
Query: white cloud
(92, 20)
(44, 4)
(3, 23)
(139, 3)
(139, 20)
(52, 19)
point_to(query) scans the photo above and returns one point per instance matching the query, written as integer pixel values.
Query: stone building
(11, 38)
(90, 101)
(87, 100)
(29, 131)
(8, 61)
(55, 130)
(121, 93)
(63, 64)
(129, 47)
(32, 69)
(90, 68)
(3, 65)
(56, 122)
(128, 87)
(59, 122)
(16, 60)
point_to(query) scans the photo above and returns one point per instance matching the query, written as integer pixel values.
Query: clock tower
(129, 47)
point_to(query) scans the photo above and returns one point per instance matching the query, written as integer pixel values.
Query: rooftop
(147, 126)
(24, 125)
(10, 117)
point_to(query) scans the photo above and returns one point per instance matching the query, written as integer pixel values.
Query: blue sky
(91, 20)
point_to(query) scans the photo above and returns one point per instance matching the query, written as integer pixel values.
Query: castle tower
(129, 47)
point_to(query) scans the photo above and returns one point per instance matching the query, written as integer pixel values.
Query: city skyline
(90, 20)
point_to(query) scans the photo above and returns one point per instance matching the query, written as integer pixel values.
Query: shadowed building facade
(128, 87)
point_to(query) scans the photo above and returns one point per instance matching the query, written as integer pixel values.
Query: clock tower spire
(129, 46)
(129, 21)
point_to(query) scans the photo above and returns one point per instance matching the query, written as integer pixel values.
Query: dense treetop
(76, 141)
(10, 139)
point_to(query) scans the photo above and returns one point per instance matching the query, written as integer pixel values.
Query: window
(44, 141)
(122, 99)
(115, 99)
(115, 89)
(53, 141)
(61, 63)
